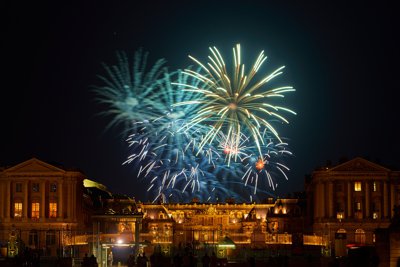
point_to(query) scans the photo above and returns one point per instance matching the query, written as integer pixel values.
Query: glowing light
(233, 103)
(260, 164)
(188, 131)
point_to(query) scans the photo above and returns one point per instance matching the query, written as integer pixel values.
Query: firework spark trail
(234, 103)
(257, 167)
(128, 90)
(185, 126)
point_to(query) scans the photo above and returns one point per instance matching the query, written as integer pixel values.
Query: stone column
(367, 200)
(323, 200)
(69, 200)
(316, 202)
(2, 199)
(330, 200)
(392, 200)
(319, 200)
(385, 200)
(349, 201)
(74, 200)
(60, 214)
(25, 214)
(42, 200)
(8, 201)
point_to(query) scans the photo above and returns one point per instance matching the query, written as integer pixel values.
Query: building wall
(248, 225)
(170, 227)
(357, 196)
(354, 198)
(51, 188)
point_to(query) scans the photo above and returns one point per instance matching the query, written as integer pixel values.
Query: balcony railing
(278, 238)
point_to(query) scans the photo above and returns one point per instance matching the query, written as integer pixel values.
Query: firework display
(235, 103)
(128, 91)
(198, 133)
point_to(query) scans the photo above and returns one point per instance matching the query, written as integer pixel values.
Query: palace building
(46, 207)
(58, 212)
(348, 202)
(229, 229)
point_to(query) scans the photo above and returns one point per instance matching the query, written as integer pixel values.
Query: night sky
(342, 58)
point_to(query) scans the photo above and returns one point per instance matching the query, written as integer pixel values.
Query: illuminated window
(375, 215)
(35, 187)
(357, 186)
(52, 209)
(17, 209)
(35, 210)
(53, 187)
(50, 238)
(374, 187)
(18, 187)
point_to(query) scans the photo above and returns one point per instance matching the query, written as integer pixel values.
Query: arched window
(359, 236)
(341, 234)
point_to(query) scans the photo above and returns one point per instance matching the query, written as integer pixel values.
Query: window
(33, 238)
(17, 209)
(52, 209)
(50, 238)
(35, 187)
(375, 215)
(18, 187)
(374, 187)
(357, 186)
(53, 187)
(35, 210)
(360, 236)
(358, 206)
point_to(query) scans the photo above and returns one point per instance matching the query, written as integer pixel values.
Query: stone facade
(351, 200)
(43, 206)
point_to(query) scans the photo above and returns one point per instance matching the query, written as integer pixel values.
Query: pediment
(359, 164)
(33, 165)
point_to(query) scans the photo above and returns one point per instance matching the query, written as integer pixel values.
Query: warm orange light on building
(357, 186)
(17, 210)
(53, 210)
(35, 209)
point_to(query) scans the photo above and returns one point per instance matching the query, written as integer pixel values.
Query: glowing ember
(260, 164)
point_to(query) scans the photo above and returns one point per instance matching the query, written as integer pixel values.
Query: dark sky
(342, 58)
